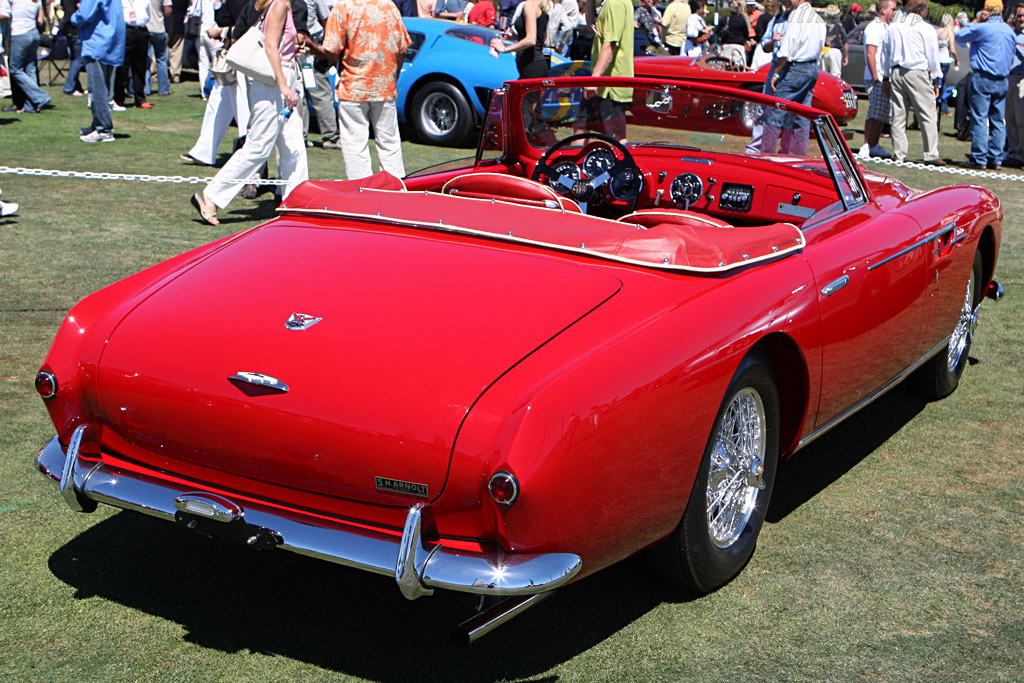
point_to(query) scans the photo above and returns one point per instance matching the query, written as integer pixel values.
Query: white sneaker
(98, 136)
(8, 208)
(864, 151)
(114, 106)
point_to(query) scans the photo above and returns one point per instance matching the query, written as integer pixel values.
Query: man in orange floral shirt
(371, 40)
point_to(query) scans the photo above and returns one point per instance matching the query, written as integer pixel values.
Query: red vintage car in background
(503, 375)
(831, 94)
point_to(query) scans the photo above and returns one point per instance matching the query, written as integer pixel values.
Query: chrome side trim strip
(490, 573)
(916, 245)
(871, 397)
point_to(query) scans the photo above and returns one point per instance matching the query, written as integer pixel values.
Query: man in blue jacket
(100, 25)
(992, 45)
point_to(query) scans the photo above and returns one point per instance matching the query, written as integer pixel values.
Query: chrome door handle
(834, 286)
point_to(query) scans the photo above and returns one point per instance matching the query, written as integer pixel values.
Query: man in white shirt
(879, 105)
(911, 72)
(697, 30)
(136, 55)
(793, 79)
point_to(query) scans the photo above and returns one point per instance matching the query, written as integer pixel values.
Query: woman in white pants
(228, 100)
(267, 129)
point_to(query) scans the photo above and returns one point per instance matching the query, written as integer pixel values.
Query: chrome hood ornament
(301, 321)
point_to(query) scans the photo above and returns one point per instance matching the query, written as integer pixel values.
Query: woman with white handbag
(273, 95)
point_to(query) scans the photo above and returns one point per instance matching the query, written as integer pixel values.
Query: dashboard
(738, 188)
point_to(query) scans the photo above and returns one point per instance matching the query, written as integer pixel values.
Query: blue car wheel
(441, 114)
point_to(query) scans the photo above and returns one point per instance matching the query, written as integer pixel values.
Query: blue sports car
(447, 77)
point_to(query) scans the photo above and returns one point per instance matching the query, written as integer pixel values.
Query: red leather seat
(651, 217)
(508, 188)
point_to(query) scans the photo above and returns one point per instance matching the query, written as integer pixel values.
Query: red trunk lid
(414, 327)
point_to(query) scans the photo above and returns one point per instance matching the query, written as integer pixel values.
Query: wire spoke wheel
(963, 334)
(736, 468)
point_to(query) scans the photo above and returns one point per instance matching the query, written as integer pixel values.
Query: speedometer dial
(564, 169)
(686, 189)
(598, 161)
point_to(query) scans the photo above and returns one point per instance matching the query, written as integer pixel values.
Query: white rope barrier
(952, 170)
(136, 177)
(197, 180)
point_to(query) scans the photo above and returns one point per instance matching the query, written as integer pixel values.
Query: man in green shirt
(604, 109)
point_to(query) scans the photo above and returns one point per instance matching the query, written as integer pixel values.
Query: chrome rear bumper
(417, 567)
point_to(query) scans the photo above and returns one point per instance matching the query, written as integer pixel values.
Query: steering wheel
(583, 190)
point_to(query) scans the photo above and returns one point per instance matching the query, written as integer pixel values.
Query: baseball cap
(994, 6)
(855, 8)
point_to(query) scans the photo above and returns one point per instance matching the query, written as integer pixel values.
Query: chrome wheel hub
(736, 471)
(439, 114)
(962, 335)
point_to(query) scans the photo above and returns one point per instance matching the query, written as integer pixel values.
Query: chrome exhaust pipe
(482, 623)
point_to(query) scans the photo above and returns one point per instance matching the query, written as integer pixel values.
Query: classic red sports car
(831, 94)
(501, 376)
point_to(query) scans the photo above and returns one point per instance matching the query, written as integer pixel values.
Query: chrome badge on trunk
(398, 486)
(301, 321)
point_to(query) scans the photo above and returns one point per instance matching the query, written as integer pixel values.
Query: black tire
(695, 557)
(441, 115)
(940, 376)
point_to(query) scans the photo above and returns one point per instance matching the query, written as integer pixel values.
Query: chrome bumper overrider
(417, 567)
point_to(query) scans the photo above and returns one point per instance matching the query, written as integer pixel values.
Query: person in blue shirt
(992, 46)
(100, 25)
(449, 9)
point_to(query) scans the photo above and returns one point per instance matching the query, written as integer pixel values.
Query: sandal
(209, 215)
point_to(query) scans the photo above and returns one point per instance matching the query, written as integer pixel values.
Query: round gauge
(626, 184)
(598, 161)
(562, 169)
(686, 188)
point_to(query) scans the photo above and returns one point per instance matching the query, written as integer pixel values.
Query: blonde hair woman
(267, 129)
(674, 22)
(531, 24)
(735, 32)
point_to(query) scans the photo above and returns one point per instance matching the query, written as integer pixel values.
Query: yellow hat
(993, 6)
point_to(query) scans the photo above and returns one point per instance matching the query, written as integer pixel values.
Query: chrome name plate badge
(399, 486)
(301, 321)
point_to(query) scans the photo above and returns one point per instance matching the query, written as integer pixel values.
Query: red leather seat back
(508, 188)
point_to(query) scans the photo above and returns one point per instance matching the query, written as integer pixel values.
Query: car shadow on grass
(832, 455)
(237, 599)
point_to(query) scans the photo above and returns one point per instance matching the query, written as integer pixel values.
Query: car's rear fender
(605, 426)
(74, 355)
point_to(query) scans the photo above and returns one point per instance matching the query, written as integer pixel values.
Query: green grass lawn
(894, 548)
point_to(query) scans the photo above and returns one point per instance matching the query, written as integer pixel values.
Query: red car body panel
(446, 355)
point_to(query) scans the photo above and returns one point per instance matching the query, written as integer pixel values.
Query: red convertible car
(831, 94)
(498, 377)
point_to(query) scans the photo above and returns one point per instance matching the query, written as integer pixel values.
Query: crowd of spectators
(128, 47)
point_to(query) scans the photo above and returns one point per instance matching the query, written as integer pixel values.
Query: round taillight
(504, 488)
(46, 384)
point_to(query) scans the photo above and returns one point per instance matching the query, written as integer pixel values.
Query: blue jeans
(943, 104)
(72, 83)
(99, 94)
(158, 48)
(796, 84)
(24, 48)
(987, 101)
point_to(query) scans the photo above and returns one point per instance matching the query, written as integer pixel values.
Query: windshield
(669, 116)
